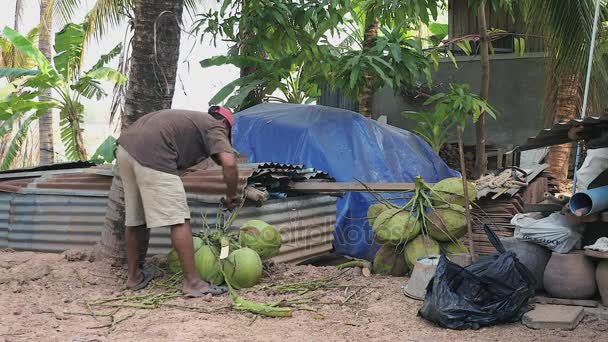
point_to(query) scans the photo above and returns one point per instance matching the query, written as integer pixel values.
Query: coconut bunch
(235, 258)
(433, 221)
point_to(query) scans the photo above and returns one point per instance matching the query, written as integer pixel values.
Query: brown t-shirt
(172, 140)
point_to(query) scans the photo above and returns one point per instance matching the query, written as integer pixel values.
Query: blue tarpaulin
(345, 144)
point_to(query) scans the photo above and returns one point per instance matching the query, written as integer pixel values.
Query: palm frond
(13, 150)
(107, 14)
(192, 7)
(105, 59)
(63, 9)
(69, 124)
(566, 26)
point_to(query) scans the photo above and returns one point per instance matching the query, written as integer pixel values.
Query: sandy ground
(42, 298)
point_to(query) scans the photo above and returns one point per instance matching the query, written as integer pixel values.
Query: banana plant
(24, 96)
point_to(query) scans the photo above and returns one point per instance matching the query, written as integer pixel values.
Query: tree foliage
(67, 80)
(279, 41)
(288, 48)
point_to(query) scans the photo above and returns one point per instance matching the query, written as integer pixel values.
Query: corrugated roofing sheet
(5, 207)
(558, 134)
(59, 211)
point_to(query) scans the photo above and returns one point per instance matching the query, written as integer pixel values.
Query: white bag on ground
(595, 163)
(554, 231)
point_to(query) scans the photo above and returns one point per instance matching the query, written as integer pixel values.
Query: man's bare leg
(181, 238)
(134, 274)
(143, 241)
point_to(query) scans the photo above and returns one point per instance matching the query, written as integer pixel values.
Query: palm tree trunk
(247, 48)
(567, 107)
(45, 124)
(151, 86)
(481, 160)
(153, 63)
(366, 95)
(18, 14)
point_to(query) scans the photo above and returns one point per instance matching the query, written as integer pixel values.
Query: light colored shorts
(152, 197)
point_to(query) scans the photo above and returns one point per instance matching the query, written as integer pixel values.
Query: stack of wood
(497, 213)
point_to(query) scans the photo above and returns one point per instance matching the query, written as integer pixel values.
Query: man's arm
(231, 177)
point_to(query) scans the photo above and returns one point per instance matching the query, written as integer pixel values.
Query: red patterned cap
(224, 112)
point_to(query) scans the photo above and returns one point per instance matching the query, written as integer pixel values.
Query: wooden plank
(325, 187)
(500, 154)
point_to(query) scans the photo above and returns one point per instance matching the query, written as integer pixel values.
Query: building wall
(517, 91)
(462, 21)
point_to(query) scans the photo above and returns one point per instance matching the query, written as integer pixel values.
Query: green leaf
(354, 77)
(29, 50)
(214, 61)
(89, 88)
(108, 74)
(381, 74)
(440, 31)
(105, 59)
(16, 72)
(105, 152)
(396, 52)
(7, 125)
(68, 48)
(465, 45)
(434, 98)
(452, 58)
(15, 145)
(238, 99)
(227, 90)
(7, 90)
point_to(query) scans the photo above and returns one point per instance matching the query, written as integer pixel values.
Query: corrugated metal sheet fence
(5, 206)
(53, 221)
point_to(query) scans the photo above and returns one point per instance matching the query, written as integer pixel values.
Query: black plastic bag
(494, 290)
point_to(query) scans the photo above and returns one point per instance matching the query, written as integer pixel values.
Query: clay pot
(601, 277)
(533, 256)
(570, 276)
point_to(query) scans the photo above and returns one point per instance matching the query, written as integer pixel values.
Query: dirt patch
(43, 298)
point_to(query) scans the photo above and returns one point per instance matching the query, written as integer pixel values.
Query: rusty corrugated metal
(54, 223)
(5, 206)
(558, 133)
(56, 212)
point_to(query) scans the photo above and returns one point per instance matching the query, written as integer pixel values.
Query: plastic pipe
(588, 202)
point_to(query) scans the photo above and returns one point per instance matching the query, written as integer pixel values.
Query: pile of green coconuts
(256, 241)
(432, 222)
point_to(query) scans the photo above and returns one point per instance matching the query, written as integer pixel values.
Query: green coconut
(420, 247)
(208, 267)
(389, 261)
(451, 248)
(447, 224)
(374, 210)
(243, 268)
(395, 226)
(173, 259)
(263, 238)
(450, 190)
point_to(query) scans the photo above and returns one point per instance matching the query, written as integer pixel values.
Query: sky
(194, 88)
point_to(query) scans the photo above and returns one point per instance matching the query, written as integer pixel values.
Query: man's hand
(231, 177)
(232, 203)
